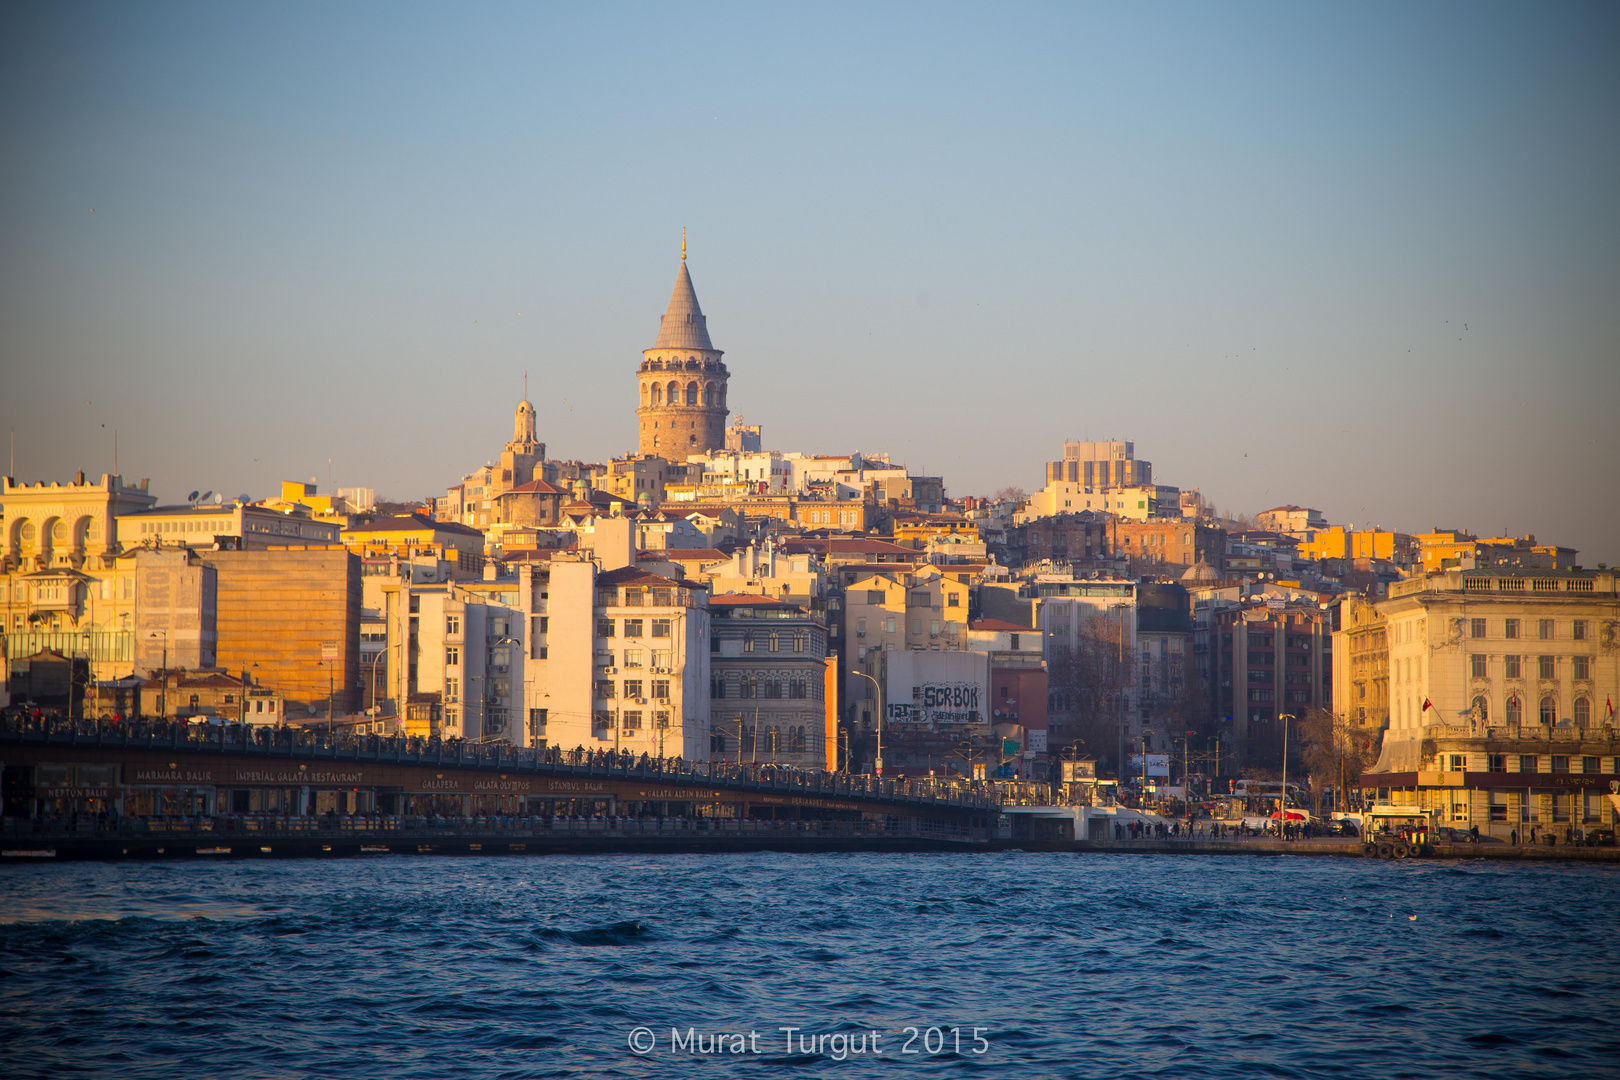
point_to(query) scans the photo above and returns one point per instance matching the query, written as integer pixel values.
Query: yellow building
(410, 534)
(1352, 543)
(1137, 503)
(846, 515)
(918, 529)
(638, 479)
(298, 493)
(62, 586)
(925, 608)
(1449, 550)
(1361, 665)
(54, 525)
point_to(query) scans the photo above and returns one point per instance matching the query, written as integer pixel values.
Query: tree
(1334, 752)
(1012, 494)
(1088, 681)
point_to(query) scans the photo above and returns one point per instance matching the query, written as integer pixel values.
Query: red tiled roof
(732, 599)
(996, 625)
(635, 575)
(690, 554)
(408, 522)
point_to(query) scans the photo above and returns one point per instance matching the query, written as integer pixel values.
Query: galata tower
(683, 382)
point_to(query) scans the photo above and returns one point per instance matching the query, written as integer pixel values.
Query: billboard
(1158, 765)
(928, 691)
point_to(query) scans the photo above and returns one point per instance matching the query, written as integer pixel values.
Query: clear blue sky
(1365, 258)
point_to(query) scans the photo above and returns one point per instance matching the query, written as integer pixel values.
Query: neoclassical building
(48, 526)
(683, 382)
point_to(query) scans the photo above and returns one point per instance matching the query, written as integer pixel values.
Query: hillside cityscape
(706, 597)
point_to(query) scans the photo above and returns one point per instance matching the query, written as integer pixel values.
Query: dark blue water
(1098, 965)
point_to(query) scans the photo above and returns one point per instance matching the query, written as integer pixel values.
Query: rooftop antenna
(683, 243)
(115, 452)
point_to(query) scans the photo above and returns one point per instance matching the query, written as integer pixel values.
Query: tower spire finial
(683, 243)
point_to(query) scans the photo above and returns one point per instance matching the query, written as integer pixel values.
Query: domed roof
(1201, 571)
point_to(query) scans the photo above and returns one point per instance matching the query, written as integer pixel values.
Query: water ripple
(1088, 966)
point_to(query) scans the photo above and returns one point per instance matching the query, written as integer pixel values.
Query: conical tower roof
(683, 325)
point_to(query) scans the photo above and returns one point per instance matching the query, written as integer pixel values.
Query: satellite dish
(243, 498)
(205, 496)
(192, 497)
(219, 498)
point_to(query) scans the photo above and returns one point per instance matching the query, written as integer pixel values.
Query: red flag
(1609, 703)
(1426, 705)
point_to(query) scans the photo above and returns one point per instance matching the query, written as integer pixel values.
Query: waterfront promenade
(547, 801)
(230, 837)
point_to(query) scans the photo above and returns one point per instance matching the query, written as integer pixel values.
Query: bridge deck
(248, 757)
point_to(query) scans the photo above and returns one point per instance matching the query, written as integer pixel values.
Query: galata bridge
(103, 789)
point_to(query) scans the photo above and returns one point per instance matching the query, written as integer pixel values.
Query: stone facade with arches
(51, 526)
(682, 382)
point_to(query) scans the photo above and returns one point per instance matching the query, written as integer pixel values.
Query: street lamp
(486, 695)
(163, 686)
(878, 762)
(1282, 798)
(331, 721)
(1147, 733)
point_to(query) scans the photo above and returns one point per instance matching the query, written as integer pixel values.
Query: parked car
(1600, 838)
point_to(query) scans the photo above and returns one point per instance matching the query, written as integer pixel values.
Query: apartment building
(1268, 658)
(768, 683)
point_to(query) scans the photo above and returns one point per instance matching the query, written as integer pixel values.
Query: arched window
(1515, 710)
(691, 440)
(657, 394)
(691, 393)
(1482, 711)
(674, 393)
(1549, 710)
(708, 393)
(1583, 712)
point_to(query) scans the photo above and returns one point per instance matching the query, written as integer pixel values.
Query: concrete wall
(175, 612)
(279, 609)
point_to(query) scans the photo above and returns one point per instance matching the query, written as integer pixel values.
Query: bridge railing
(263, 828)
(304, 743)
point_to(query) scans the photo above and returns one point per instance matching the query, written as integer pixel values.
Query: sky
(1364, 258)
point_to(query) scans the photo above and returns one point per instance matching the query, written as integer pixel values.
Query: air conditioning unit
(610, 671)
(641, 701)
(663, 701)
